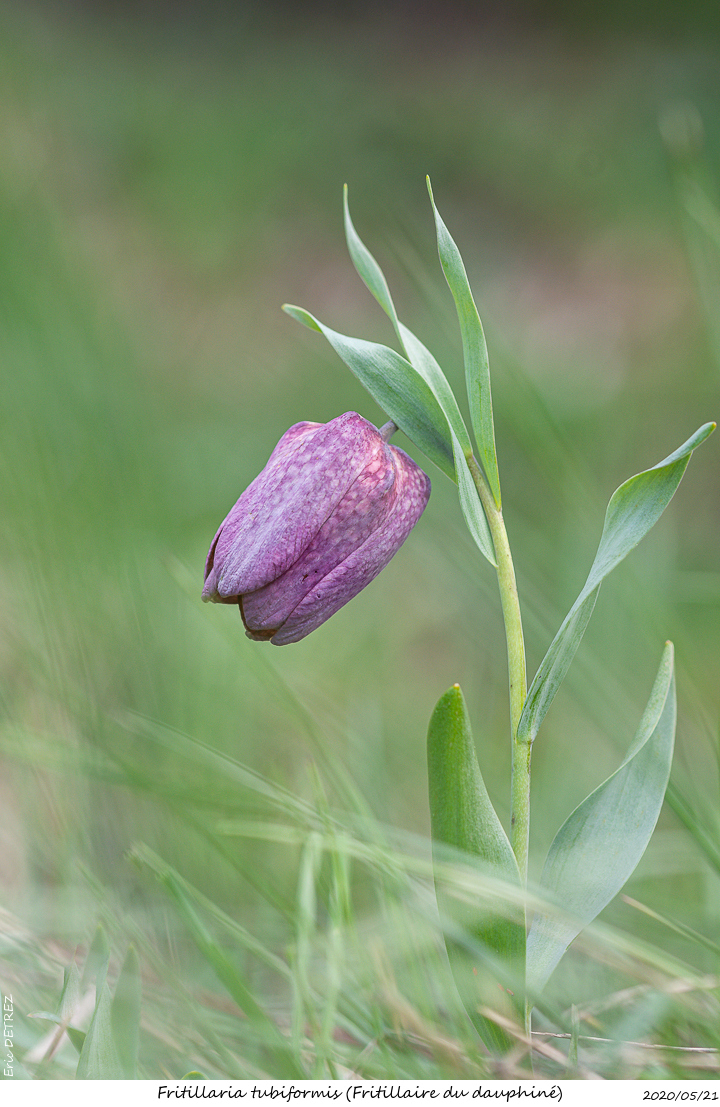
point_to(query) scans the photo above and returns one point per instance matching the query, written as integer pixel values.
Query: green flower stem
(520, 795)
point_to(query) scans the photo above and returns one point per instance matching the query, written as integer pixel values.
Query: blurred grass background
(169, 176)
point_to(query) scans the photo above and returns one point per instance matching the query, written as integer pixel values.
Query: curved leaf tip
(692, 443)
(302, 316)
(475, 355)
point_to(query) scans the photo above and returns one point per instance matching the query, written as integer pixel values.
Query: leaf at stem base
(485, 941)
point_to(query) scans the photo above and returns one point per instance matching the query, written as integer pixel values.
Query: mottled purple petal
(279, 514)
(327, 513)
(360, 513)
(287, 445)
(359, 568)
(291, 439)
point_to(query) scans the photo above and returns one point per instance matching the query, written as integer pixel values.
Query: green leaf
(398, 388)
(125, 1014)
(471, 506)
(367, 268)
(633, 509)
(477, 368)
(98, 1058)
(554, 666)
(464, 819)
(417, 354)
(638, 504)
(601, 842)
(428, 368)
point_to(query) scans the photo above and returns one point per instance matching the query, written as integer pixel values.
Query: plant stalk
(520, 788)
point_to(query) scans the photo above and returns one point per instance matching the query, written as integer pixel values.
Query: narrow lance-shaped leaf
(602, 841)
(417, 354)
(471, 506)
(368, 269)
(398, 388)
(477, 367)
(463, 819)
(633, 509)
(421, 358)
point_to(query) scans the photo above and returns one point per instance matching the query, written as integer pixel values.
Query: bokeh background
(169, 175)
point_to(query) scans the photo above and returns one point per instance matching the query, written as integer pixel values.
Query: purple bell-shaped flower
(331, 507)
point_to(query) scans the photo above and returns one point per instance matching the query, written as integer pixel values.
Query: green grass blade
(601, 842)
(677, 927)
(221, 764)
(125, 1015)
(304, 1007)
(477, 367)
(396, 386)
(286, 1064)
(236, 930)
(463, 818)
(698, 823)
(634, 508)
(339, 917)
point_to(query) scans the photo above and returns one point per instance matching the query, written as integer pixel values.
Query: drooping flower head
(332, 506)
